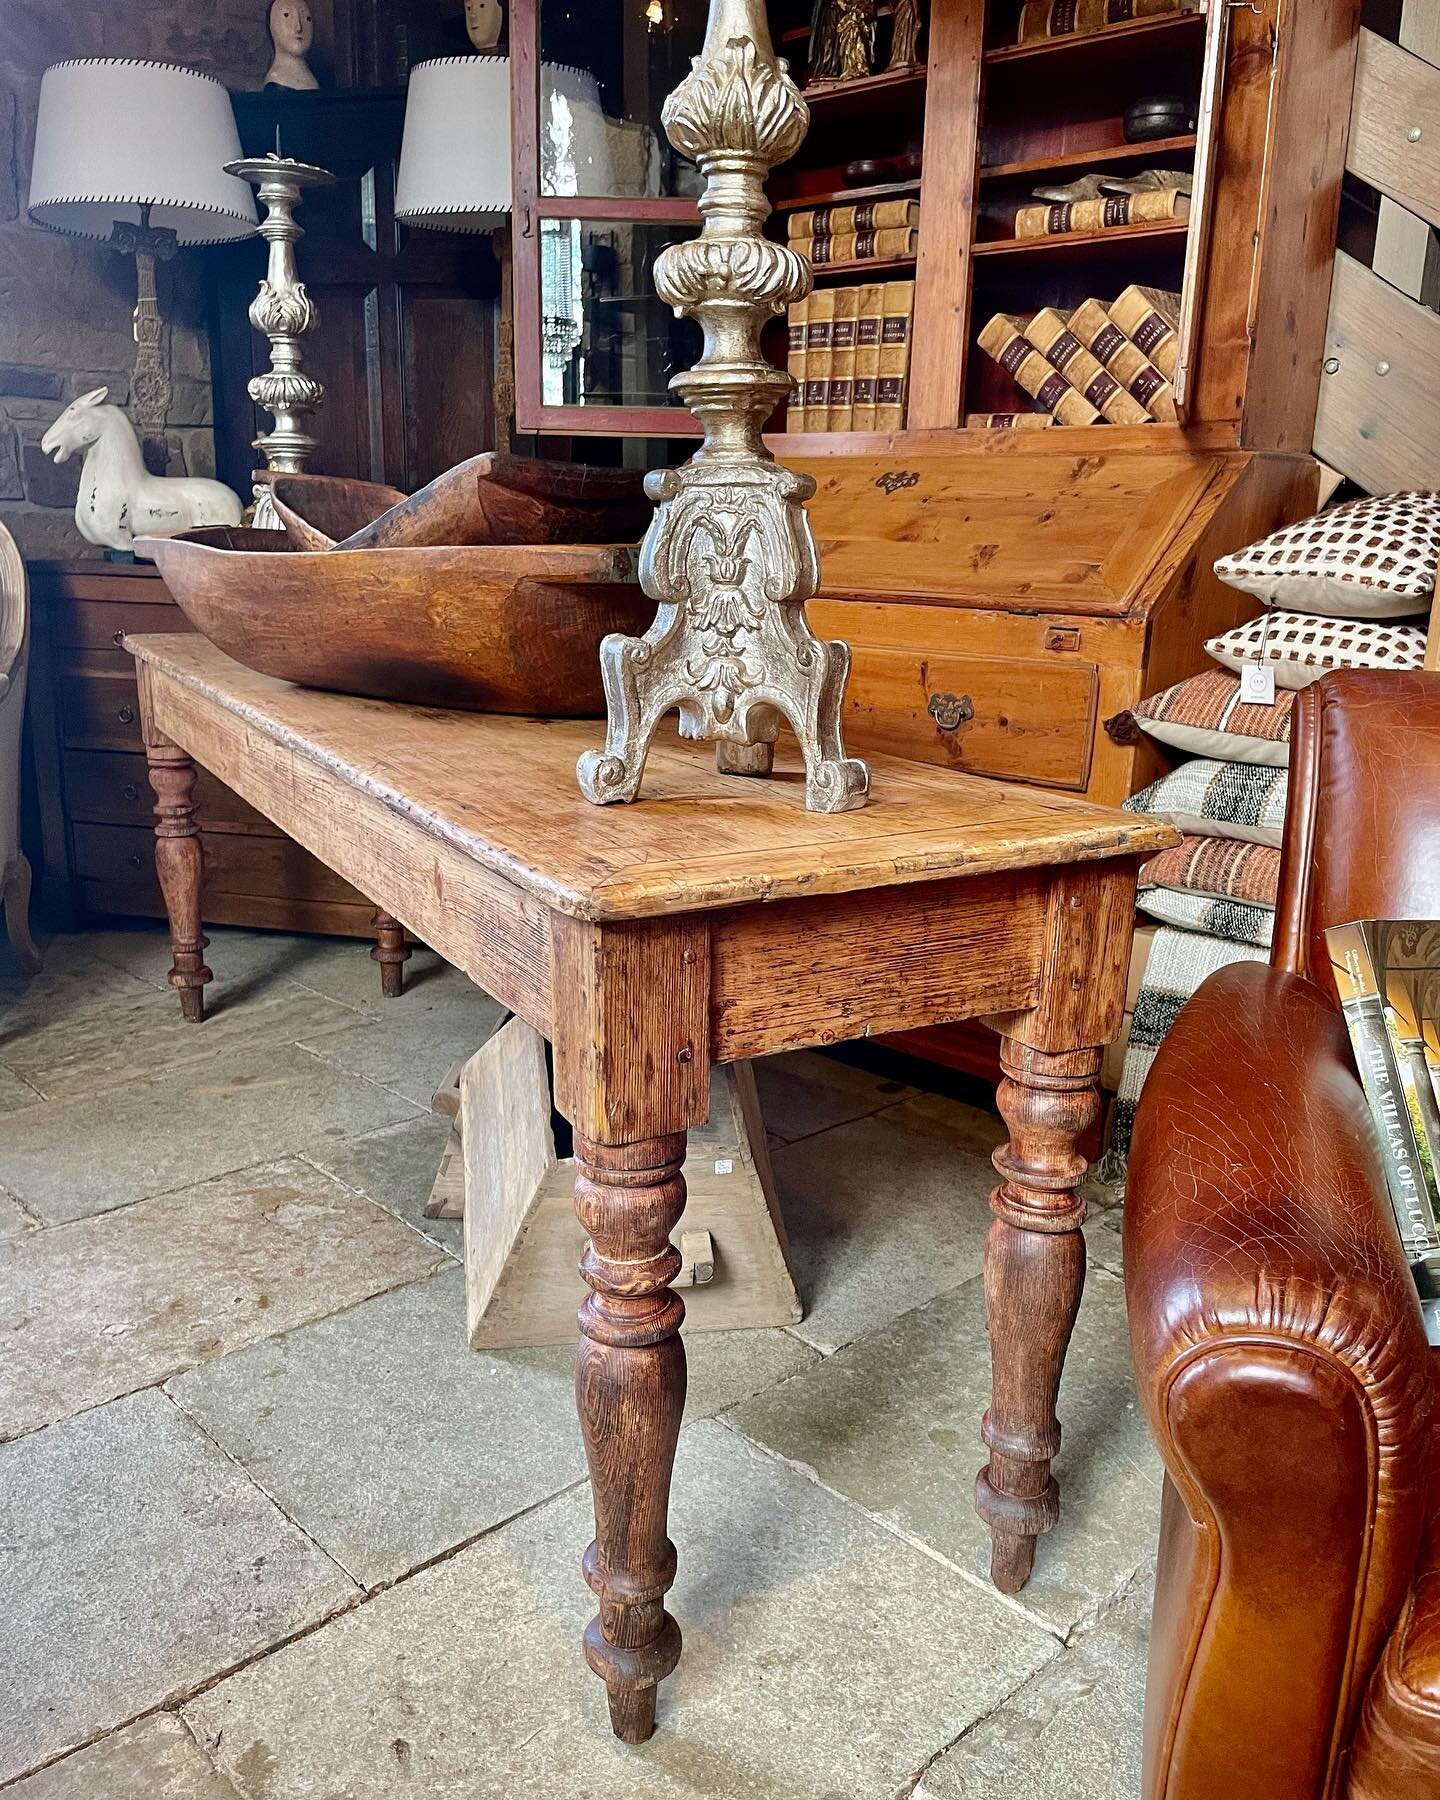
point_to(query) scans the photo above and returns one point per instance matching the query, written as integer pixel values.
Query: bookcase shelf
(862, 266)
(1142, 37)
(869, 91)
(1105, 156)
(883, 190)
(1118, 240)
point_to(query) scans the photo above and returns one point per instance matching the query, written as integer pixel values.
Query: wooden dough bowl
(489, 499)
(512, 628)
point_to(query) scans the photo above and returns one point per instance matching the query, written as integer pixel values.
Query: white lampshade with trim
(114, 136)
(455, 153)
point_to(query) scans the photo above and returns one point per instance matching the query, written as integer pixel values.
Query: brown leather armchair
(1295, 1644)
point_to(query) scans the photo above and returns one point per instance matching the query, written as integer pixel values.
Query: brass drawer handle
(126, 714)
(118, 636)
(950, 710)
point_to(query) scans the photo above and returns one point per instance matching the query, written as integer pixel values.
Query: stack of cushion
(1346, 589)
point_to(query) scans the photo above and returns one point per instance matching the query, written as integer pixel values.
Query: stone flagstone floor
(269, 1529)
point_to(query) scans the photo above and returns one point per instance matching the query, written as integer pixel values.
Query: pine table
(711, 920)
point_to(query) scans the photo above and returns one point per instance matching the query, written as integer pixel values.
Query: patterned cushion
(1232, 920)
(1179, 961)
(1368, 559)
(1219, 868)
(1219, 799)
(1302, 647)
(1207, 717)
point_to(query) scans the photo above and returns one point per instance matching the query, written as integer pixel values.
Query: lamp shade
(455, 154)
(114, 136)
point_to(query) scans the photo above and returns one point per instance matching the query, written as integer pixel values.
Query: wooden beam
(1381, 388)
(1407, 253)
(1420, 29)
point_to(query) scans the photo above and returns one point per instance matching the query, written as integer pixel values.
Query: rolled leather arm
(1282, 1363)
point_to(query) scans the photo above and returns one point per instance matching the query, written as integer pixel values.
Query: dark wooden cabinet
(406, 340)
(94, 799)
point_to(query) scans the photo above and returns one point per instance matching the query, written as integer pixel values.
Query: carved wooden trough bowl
(488, 499)
(513, 628)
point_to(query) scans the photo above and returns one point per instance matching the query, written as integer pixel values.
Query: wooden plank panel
(1420, 28)
(907, 957)
(1379, 429)
(1396, 95)
(1407, 253)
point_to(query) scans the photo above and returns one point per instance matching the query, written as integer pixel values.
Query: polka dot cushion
(1301, 648)
(1368, 559)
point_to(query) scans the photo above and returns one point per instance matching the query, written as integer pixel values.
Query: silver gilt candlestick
(729, 555)
(283, 312)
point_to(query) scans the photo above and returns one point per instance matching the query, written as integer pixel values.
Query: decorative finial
(729, 555)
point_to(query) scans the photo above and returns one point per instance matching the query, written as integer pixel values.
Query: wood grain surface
(501, 793)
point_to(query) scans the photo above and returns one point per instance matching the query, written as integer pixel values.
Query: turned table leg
(630, 1391)
(179, 867)
(391, 952)
(1034, 1273)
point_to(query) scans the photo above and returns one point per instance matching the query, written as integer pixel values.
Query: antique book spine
(840, 406)
(1056, 218)
(795, 361)
(893, 377)
(1148, 317)
(841, 221)
(859, 246)
(869, 314)
(1005, 341)
(1011, 421)
(818, 326)
(1060, 18)
(1130, 366)
(1049, 331)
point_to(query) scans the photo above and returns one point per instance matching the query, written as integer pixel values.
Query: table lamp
(455, 166)
(131, 154)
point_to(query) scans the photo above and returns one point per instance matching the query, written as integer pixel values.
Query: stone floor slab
(410, 1046)
(139, 1561)
(880, 1220)
(161, 1132)
(78, 1050)
(1074, 1729)
(13, 1217)
(245, 963)
(156, 1759)
(802, 1093)
(894, 1423)
(824, 1660)
(103, 1306)
(16, 1092)
(396, 1167)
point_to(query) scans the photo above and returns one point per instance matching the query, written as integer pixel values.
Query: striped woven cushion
(1207, 717)
(1179, 961)
(1219, 799)
(1232, 920)
(1219, 868)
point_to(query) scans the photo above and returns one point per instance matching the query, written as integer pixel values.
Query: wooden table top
(503, 791)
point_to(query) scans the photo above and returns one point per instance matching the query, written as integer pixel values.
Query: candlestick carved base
(729, 555)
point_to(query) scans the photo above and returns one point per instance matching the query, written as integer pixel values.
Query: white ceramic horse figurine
(119, 499)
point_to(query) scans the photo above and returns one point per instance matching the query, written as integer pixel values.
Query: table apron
(814, 971)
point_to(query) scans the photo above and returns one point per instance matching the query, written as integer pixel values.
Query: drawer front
(100, 624)
(1025, 719)
(99, 706)
(109, 787)
(260, 867)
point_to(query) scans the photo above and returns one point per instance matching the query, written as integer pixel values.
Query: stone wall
(65, 303)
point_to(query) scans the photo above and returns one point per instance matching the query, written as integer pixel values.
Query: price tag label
(1257, 684)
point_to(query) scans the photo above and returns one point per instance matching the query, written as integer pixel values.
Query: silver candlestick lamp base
(284, 312)
(730, 555)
